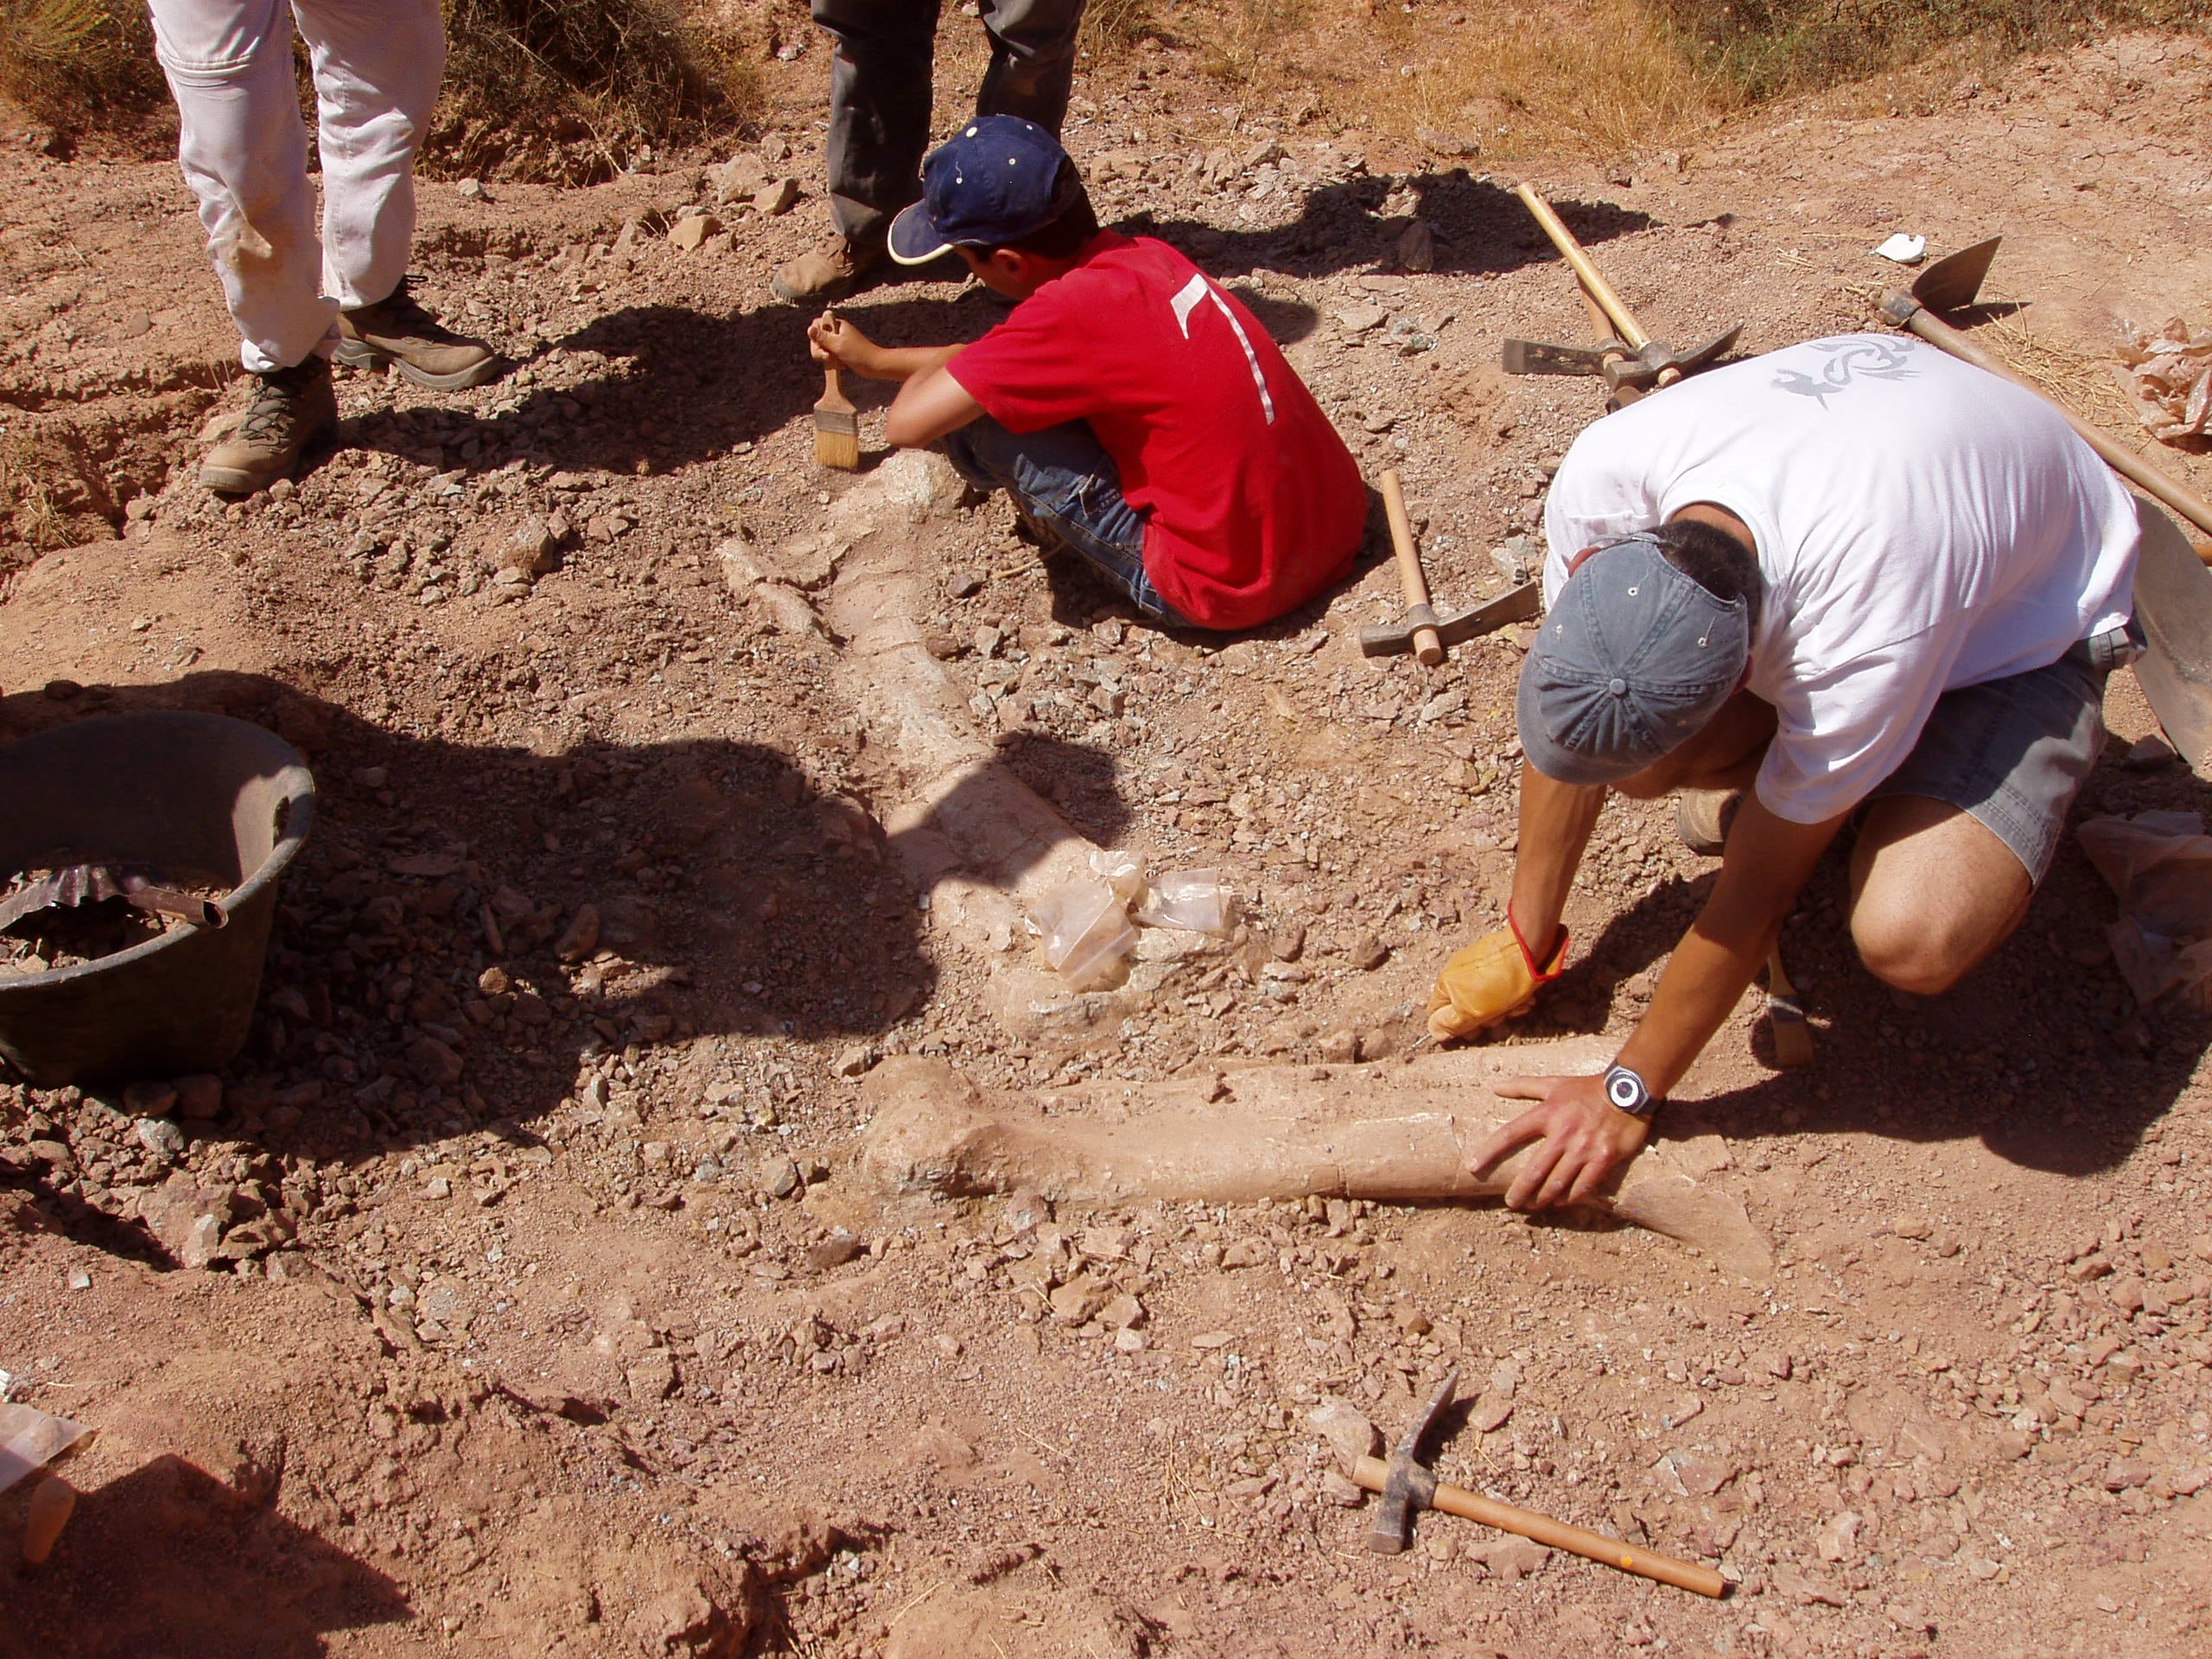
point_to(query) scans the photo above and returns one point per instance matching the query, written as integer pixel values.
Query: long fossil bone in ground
(1394, 1132)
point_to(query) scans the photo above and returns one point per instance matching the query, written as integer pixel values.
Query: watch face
(1626, 1090)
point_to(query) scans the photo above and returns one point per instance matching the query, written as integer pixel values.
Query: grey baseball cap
(1632, 660)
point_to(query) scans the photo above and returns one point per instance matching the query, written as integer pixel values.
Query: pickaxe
(1422, 630)
(1630, 362)
(1407, 1485)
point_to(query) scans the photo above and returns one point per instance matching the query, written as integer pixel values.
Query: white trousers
(244, 148)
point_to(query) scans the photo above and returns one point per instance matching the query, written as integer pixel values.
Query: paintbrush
(1793, 1037)
(836, 425)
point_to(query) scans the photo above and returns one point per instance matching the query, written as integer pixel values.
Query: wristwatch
(1626, 1092)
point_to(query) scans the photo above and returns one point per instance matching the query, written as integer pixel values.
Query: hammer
(1407, 1485)
(1631, 363)
(1422, 630)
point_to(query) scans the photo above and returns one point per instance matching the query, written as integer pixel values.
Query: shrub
(80, 66)
(574, 88)
(1767, 48)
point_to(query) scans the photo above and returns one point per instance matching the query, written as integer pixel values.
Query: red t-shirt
(1253, 503)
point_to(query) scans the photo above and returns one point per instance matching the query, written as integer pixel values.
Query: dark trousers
(880, 91)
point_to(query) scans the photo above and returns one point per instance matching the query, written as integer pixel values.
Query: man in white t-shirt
(1853, 574)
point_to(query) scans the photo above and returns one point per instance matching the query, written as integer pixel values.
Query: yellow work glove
(1493, 979)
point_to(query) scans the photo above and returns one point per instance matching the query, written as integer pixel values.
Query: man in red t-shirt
(1138, 414)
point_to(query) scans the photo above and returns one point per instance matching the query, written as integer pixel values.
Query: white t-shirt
(1922, 525)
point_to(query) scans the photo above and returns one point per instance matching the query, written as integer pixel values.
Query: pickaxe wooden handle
(1428, 646)
(1374, 1474)
(1594, 284)
(1646, 364)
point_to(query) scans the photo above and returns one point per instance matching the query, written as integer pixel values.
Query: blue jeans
(1066, 485)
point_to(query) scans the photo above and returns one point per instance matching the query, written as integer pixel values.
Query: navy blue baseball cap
(1634, 658)
(999, 180)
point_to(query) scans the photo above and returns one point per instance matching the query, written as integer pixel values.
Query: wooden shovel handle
(1428, 644)
(1373, 1473)
(2130, 466)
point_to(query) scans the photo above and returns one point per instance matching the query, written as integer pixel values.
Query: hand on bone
(1581, 1139)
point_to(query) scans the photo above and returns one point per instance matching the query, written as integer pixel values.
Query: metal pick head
(1408, 1486)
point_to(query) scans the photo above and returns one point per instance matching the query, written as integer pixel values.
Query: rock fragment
(1347, 1428)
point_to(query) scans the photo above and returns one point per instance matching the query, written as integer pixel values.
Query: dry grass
(1252, 45)
(80, 66)
(1598, 78)
(1113, 28)
(2082, 385)
(1603, 78)
(1768, 47)
(570, 89)
(575, 89)
(1518, 78)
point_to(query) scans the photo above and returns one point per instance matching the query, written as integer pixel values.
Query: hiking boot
(291, 408)
(829, 272)
(1702, 817)
(396, 330)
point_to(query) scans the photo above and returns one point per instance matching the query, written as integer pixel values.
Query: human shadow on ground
(682, 385)
(470, 926)
(2040, 1052)
(169, 1560)
(1480, 228)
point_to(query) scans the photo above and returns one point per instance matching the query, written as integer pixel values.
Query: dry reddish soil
(547, 1308)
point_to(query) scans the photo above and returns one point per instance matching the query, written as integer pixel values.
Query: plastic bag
(1123, 872)
(2168, 371)
(1085, 925)
(2160, 865)
(30, 1440)
(1196, 900)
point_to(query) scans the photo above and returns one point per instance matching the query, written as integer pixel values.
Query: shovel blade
(1952, 282)
(2173, 601)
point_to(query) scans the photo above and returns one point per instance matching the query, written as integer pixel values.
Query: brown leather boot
(829, 272)
(1702, 817)
(291, 408)
(399, 331)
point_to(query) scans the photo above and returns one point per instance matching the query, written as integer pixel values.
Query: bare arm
(831, 339)
(1583, 1138)
(1555, 822)
(930, 403)
(1767, 862)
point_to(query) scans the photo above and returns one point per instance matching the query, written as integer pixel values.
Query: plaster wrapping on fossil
(1283, 1132)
